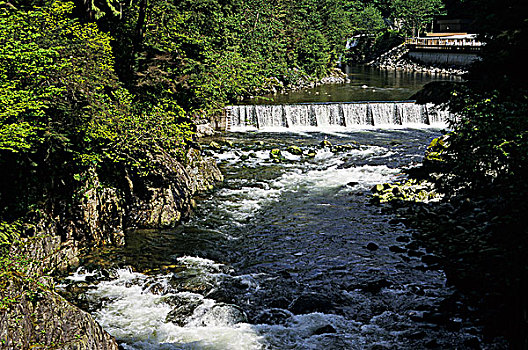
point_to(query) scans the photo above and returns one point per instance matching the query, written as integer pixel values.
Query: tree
(414, 15)
(63, 111)
(367, 20)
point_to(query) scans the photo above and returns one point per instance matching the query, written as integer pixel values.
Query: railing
(443, 42)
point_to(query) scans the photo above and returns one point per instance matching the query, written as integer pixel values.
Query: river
(287, 253)
(365, 84)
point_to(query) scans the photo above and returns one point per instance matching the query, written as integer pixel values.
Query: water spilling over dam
(328, 115)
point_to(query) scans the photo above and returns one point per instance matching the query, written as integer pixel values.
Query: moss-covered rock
(325, 143)
(411, 190)
(437, 148)
(295, 150)
(215, 146)
(276, 155)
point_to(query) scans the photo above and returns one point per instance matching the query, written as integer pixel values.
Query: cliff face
(164, 198)
(32, 315)
(161, 199)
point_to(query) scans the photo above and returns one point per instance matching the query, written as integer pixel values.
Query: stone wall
(443, 58)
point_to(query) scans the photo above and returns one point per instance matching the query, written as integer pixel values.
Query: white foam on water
(300, 331)
(366, 176)
(137, 317)
(243, 203)
(80, 275)
(341, 131)
(370, 151)
(226, 156)
(201, 263)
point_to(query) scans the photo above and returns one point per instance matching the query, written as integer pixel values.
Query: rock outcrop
(32, 315)
(164, 198)
(41, 319)
(161, 199)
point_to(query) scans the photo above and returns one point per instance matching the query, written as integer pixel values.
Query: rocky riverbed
(288, 253)
(479, 241)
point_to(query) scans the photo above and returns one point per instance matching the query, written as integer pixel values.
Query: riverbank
(100, 216)
(302, 81)
(397, 59)
(478, 239)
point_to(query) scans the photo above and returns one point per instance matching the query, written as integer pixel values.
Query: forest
(108, 86)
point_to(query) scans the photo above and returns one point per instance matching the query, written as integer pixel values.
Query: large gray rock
(164, 198)
(38, 318)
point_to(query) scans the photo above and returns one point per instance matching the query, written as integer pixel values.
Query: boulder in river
(324, 330)
(273, 316)
(311, 302)
(325, 143)
(180, 315)
(215, 145)
(372, 246)
(295, 150)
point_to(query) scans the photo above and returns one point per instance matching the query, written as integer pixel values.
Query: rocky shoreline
(473, 238)
(396, 59)
(276, 86)
(32, 314)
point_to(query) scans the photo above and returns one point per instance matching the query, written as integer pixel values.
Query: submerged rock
(324, 330)
(308, 303)
(273, 316)
(372, 246)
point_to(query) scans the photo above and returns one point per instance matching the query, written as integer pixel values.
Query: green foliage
(367, 20)
(9, 233)
(415, 15)
(62, 109)
(19, 268)
(489, 145)
(207, 53)
(121, 131)
(312, 51)
(502, 25)
(48, 62)
(490, 141)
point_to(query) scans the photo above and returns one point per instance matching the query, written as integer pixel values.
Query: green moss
(411, 190)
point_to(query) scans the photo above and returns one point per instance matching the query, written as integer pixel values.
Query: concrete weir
(329, 115)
